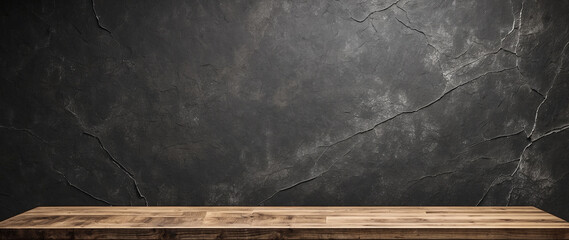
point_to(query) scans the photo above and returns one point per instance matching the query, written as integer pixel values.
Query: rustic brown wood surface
(284, 223)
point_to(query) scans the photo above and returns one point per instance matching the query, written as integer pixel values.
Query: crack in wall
(510, 196)
(425, 35)
(463, 53)
(99, 19)
(501, 48)
(546, 95)
(530, 136)
(289, 187)
(532, 141)
(513, 24)
(496, 138)
(552, 131)
(28, 131)
(118, 164)
(519, 34)
(113, 159)
(536, 91)
(444, 94)
(420, 32)
(400, 114)
(414, 182)
(501, 177)
(377, 125)
(502, 136)
(376, 11)
(319, 156)
(79, 120)
(308, 179)
(446, 74)
(81, 190)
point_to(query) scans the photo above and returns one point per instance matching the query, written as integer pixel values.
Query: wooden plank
(284, 223)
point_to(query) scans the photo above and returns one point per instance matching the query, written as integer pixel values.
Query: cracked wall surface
(284, 103)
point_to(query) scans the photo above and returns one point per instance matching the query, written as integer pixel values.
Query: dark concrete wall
(284, 103)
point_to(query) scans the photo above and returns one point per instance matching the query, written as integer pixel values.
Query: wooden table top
(285, 223)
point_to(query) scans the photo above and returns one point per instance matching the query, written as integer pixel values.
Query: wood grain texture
(284, 223)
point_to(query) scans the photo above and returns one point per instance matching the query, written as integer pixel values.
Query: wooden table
(284, 223)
